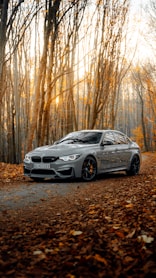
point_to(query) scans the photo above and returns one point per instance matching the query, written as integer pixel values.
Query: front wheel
(135, 166)
(89, 169)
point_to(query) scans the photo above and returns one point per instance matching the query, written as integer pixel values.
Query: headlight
(69, 157)
(27, 158)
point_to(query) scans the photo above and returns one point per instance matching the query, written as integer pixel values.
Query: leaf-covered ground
(105, 229)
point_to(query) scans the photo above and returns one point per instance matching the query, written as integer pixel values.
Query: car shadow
(114, 175)
(111, 175)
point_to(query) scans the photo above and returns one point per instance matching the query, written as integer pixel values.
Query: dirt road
(26, 193)
(105, 228)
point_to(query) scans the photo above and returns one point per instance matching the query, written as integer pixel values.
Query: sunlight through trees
(64, 66)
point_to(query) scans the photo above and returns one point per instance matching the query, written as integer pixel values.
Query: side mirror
(56, 142)
(106, 143)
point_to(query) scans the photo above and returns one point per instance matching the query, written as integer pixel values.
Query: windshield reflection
(81, 138)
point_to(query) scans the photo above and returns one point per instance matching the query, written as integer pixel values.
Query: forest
(68, 65)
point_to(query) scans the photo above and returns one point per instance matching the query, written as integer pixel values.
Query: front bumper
(67, 172)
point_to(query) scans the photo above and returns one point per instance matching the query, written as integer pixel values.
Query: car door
(108, 155)
(122, 149)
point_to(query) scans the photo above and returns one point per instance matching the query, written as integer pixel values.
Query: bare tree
(46, 80)
(103, 77)
(15, 19)
(145, 89)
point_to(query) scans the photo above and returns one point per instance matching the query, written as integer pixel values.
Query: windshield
(80, 137)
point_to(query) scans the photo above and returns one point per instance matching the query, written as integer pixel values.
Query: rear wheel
(89, 169)
(135, 166)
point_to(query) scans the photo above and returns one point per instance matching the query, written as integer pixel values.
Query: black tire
(135, 166)
(89, 169)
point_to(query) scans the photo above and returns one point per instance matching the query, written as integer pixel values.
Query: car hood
(61, 149)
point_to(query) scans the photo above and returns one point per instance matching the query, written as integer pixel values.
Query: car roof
(98, 130)
(102, 130)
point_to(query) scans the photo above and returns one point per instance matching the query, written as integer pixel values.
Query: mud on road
(30, 193)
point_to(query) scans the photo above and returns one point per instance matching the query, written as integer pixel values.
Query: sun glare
(57, 100)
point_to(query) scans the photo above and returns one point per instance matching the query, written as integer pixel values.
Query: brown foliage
(10, 173)
(104, 228)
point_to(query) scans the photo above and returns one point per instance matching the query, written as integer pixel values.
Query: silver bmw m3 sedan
(84, 154)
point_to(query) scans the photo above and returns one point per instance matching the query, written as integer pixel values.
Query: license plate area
(42, 165)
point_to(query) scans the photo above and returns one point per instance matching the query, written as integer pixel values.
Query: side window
(109, 138)
(121, 139)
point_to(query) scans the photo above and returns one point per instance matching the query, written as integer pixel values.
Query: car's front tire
(89, 169)
(135, 166)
